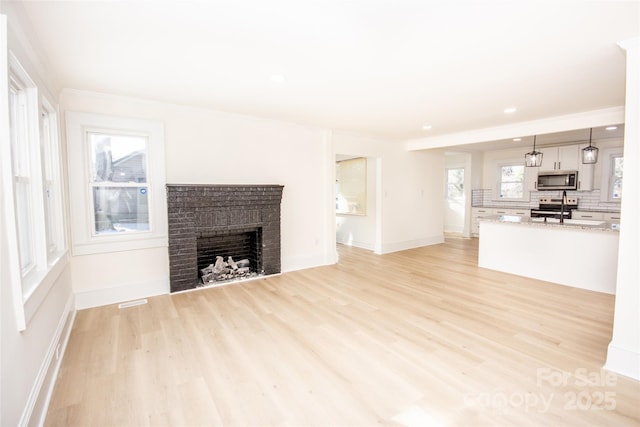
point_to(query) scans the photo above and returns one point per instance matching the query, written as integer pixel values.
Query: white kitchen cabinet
(477, 213)
(566, 158)
(511, 211)
(587, 215)
(585, 172)
(611, 216)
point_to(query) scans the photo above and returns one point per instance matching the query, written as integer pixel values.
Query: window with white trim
(26, 171)
(32, 154)
(117, 183)
(612, 174)
(52, 182)
(511, 181)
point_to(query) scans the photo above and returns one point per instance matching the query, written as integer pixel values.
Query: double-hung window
(32, 193)
(511, 181)
(117, 183)
(612, 174)
(52, 182)
(23, 159)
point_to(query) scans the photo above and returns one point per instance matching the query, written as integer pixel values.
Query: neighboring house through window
(117, 183)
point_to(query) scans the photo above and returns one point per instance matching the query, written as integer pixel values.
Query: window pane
(513, 173)
(120, 209)
(455, 183)
(511, 190)
(618, 163)
(50, 217)
(117, 158)
(25, 234)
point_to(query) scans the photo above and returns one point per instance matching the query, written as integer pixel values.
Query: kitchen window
(117, 183)
(511, 181)
(612, 175)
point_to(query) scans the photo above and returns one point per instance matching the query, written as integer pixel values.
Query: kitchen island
(578, 253)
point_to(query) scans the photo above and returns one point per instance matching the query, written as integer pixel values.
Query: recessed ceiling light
(517, 139)
(510, 110)
(427, 127)
(278, 78)
(611, 127)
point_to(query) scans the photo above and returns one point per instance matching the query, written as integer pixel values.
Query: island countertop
(577, 253)
(580, 224)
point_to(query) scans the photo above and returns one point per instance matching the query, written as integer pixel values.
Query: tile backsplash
(587, 200)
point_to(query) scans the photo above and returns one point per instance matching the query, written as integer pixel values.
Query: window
(612, 175)
(455, 184)
(511, 184)
(52, 182)
(32, 193)
(22, 150)
(117, 183)
(615, 183)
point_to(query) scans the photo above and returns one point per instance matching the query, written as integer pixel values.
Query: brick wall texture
(206, 210)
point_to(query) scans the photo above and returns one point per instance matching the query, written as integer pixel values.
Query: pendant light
(534, 158)
(590, 153)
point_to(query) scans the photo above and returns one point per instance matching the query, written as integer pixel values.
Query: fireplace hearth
(210, 223)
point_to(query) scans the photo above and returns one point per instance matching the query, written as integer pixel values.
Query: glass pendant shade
(533, 158)
(590, 153)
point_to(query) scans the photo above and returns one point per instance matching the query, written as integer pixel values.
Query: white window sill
(42, 282)
(120, 245)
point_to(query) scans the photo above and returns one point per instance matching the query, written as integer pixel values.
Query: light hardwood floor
(419, 337)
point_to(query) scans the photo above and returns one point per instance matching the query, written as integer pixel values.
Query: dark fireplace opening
(227, 255)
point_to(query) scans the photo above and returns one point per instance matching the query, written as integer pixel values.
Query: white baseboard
(358, 244)
(122, 293)
(35, 410)
(623, 361)
(453, 229)
(411, 244)
(310, 261)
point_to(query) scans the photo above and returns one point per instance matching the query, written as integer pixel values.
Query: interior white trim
(411, 244)
(82, 240)
(603, 117)
(121, 293)
(623, 361)
(38, 403)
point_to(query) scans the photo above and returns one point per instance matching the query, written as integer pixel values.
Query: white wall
(624, 350)
(409, 191)
(360, 230)
(27, 362)
(211, 147)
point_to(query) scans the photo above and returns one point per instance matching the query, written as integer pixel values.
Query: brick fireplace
(210, 220)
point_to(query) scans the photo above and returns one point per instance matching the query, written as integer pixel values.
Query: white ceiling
(382, 67)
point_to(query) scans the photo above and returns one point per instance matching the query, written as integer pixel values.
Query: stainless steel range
(553, 208)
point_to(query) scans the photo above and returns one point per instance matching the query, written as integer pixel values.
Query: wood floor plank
(418, 337)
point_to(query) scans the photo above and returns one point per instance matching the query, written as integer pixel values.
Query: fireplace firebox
(207, 222)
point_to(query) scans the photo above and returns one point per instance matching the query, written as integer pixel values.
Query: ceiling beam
(588, 119)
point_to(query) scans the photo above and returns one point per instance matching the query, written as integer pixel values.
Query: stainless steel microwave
(557, 180)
